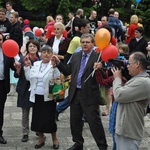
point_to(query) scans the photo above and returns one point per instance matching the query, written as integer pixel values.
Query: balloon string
(92, 73)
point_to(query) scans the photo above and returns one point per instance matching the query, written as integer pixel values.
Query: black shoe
(37, 146)
(76, 146)
(25, 138)
(2, 140)
(56, 146)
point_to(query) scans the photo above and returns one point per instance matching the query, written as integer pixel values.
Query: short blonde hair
(124, 47)
(16, 14)
(49, 19)
(134, 19)
(60, 25)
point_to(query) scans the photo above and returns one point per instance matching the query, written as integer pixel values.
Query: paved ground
(13, 132)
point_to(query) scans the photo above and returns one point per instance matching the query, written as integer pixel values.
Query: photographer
(108, 82)
(132, 100)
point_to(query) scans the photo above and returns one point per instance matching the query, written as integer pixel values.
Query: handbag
(58, 88)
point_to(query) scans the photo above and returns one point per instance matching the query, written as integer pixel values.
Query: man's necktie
(82, 66)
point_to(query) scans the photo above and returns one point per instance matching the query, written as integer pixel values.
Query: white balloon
(35, 29)
(42, 30)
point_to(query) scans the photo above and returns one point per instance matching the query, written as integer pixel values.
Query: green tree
(41, 6)
(143, 11)
(63, 8)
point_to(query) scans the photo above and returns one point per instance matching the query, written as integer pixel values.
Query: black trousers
(92, 113)
(3, 96)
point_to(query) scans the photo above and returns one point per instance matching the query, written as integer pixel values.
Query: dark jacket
(90, 88)
(115, 23)
(16, 34)
(8, 63)
(23, 87)
(63, 46)
(5, 26)
(139, 46)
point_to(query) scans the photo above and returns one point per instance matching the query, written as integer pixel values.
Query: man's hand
(7, 37)
(97, 65)
(55, 60)
(116, 72)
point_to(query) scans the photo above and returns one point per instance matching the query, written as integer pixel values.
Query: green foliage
(53, 7)
(75, 4)
(63, 8)
(34, 4)
(143, 11)
(40, 24)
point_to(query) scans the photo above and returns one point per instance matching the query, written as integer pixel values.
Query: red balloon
(10, 48)
(38, 32)
(27, 29)
(113, 41)
(109, 52)
(98, 50)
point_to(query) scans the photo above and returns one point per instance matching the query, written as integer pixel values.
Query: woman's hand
(27, 62)
(97, 65)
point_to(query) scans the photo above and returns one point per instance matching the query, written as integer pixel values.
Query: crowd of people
(70, 50)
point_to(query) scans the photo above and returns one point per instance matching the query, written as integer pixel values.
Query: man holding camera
(132, 98)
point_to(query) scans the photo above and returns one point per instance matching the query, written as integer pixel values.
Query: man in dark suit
(5, 65)
(83, 94)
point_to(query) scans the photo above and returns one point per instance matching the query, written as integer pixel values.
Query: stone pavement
(13, 132)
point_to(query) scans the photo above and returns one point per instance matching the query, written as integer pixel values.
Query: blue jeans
(63, 105)
(114, 141)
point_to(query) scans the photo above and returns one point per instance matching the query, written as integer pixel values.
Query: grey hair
(47, 48)
(79, 11)
(86, 35)
(139, 56)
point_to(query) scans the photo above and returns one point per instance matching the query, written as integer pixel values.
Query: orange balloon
(102, 38)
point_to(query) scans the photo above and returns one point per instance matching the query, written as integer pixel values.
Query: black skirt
(43, 115)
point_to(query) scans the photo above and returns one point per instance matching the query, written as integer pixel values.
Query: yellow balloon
(102, 38)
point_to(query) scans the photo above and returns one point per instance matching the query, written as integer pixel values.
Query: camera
(121, 63)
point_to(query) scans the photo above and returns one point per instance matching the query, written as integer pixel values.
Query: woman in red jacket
(133, 25)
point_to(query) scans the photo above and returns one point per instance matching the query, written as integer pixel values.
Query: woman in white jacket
(43, 116)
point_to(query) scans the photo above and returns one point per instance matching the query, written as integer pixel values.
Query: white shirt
(8, 13)
(56, 45)
(40, 86)
(2, 77)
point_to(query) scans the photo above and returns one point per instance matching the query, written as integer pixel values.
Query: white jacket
(31, 75)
